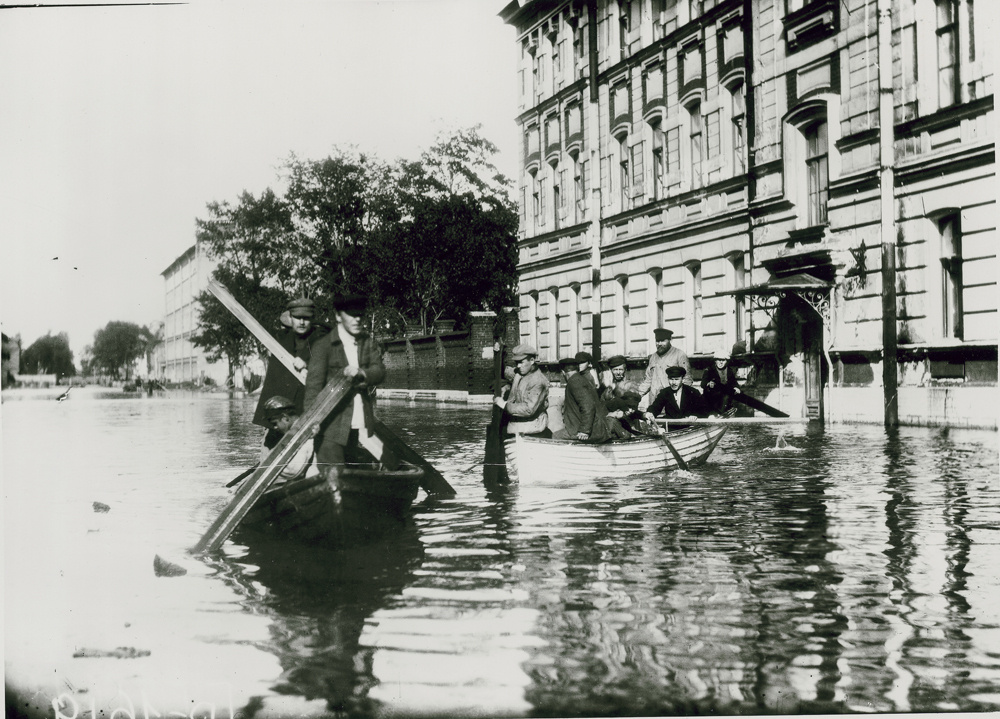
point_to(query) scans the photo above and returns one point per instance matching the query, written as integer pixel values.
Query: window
(622, 312)
(673, 150)
(573, 121)
(554, 328)
(713, 134)
(951, 277)
(732, 43)
(659, 158)
(737, 114)
(694, 113)
(531, 141)
(691, 64)
(947, 53)
(736, 279)
(624, 11)
(536, 201)
(557, 198)
(579, 50)
(906, 104)
(693, 282)
(579, 186)
(624, 173)
(541, 202)
(817, 173)
(557, 68)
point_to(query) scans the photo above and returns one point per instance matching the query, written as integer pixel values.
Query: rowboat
(368, 503)
(534, 460)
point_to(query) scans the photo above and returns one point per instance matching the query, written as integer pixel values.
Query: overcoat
(691, 403)
(327, 364)
(583, 410)
(278, 381)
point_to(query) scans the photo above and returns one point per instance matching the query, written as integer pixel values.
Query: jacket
(716, 399)
(527, 402)
(327, 364)
(278, 381)
(691, 403)
(583, 410)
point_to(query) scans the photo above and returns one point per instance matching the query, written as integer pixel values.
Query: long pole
(887, 226)
(594, 131)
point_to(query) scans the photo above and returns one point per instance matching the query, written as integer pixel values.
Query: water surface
(856, 571)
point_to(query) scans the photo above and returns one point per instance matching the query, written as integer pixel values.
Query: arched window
(695, 132)
(693, 297)
(555, 331)
(623, 319)
(736, 280)
(737, 116)
(624, 171)
(659, 158)
(952, 283)
(557, 195)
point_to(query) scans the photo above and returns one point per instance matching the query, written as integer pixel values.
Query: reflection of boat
(536, 461)
(368, 503)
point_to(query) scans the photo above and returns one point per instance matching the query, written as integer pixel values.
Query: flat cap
(616, 361)
(277, 404)
(720, 355)
(569, 362)
(521, 351)
(351, 304)
(301, 307)
(583, 357)
(674, 371)
(660, 334)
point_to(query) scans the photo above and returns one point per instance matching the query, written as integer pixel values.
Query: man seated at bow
(677, 400)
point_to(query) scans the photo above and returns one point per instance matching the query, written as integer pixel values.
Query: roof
(798, 281)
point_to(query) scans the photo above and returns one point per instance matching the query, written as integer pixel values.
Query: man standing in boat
(347, 351)
(298, 337)
(584, 414)
(526, 404)
(666, 356)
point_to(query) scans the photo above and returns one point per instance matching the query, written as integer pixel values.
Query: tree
(49, 355)
(116, 348)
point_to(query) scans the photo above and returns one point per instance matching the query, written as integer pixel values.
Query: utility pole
(887, 151)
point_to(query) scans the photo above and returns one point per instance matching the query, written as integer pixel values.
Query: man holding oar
(298, 337)
(526, 404)
(347, 351)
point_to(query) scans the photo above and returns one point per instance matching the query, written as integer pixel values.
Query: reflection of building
(688, 167)
(181, 361)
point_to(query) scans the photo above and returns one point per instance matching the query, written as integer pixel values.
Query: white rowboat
(534, 460)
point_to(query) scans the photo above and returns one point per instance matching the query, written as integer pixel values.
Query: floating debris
(117, 653)
(101, 507)
(781, 445)
(163, 568)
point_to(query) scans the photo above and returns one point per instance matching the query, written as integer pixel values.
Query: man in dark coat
(677, 400)
(347, 351)
(298, 338)
(584, 414)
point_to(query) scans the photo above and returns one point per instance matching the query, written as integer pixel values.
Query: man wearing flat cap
(526, 404)
(677, 400)
(584, 414)
(347, 351)
(281, 414)
(616, 386)
(300, 333)
(666, 355)
(719, 384)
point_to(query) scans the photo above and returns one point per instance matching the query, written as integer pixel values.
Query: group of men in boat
(600, 403)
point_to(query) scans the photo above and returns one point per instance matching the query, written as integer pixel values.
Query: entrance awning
(810, 289)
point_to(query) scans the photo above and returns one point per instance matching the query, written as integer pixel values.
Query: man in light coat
(528, 399)
(666, 355)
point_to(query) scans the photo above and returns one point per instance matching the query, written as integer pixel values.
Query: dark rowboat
(369, 503)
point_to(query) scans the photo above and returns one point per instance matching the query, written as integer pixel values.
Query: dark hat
(660, 334)
(569, 362)
(522, 351)
(740, 348)
(351, 304)
(301, 307)
(674, 371)
(583, 357)
(277, 404)
(616, 361)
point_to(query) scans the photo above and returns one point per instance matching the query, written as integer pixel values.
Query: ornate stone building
(814, 178)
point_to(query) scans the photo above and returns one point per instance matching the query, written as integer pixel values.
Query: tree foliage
(423, 239)
(116, 348)
(49, 355)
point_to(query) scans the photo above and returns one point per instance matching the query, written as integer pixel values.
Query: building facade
(180, 361)
(813, 178)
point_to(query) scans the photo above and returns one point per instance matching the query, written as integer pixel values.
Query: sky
(119, 124)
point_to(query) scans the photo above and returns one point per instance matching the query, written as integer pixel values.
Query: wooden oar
(673, 450)
(495, 463)
(329, 399)
(754, 403)
(243, 476)
(432, 481)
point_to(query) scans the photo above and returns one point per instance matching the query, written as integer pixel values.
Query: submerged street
(851, 571)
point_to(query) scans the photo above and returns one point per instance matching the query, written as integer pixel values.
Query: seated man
(719, 384)
(584, 415)
(524, 408)
(281, 415)
(616, 386)
(676, 400)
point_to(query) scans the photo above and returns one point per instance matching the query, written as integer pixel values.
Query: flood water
(854, 571)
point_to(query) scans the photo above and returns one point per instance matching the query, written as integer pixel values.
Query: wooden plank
(256, 328)
(329, 400)
(495, 462)
(432, 483)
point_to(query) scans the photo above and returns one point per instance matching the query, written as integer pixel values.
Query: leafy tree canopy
(49, 355)
(117, 346)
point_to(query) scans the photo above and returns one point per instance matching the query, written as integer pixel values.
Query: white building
(185, 279)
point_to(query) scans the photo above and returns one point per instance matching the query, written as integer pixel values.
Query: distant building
(180, 360)
(719, 168)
